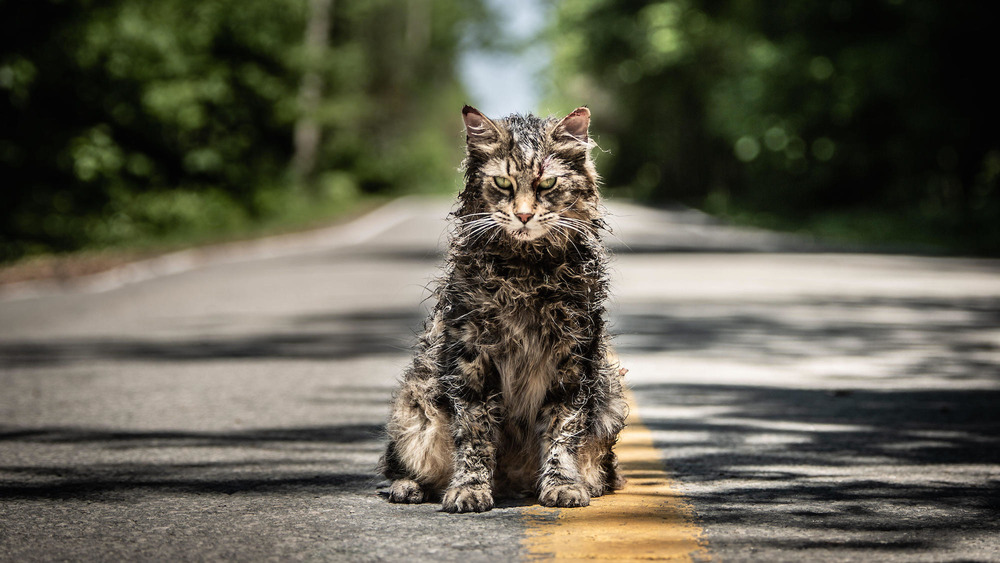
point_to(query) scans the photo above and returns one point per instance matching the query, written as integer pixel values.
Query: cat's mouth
(525, 234)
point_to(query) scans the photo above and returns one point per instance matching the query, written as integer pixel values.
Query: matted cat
(512, 390)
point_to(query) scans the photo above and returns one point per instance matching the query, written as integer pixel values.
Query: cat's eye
(502, 182)
(547, 183)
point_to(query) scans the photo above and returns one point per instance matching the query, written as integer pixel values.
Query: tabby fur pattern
(513, 390)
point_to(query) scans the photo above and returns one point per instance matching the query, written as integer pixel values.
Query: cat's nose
(524, 217)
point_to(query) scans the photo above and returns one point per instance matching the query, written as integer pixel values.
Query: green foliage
(795, 112)
(127, 119)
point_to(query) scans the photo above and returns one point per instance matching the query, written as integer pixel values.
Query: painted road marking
(648, 520)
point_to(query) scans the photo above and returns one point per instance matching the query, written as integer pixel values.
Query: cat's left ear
(575, 125)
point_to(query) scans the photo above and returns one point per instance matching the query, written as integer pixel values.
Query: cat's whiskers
(475, 229)
(494, 236)
(481, 231)
(466, 223)
(579, 222)
(566, 223)
(589, 225)
(562, 230)
(471, 233)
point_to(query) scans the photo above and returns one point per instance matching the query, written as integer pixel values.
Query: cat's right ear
(478, 128)
(575, 125)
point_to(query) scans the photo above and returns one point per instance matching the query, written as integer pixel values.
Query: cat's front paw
(467, 499)
(566, 496)
(406, 491)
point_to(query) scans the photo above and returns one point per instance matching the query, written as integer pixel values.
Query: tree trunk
(308, 131)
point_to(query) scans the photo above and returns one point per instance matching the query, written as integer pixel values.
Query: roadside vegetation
(134, 124)
(863, 121)
(144, 126)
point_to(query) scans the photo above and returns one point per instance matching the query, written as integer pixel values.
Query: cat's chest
(528, 333)
(525, 324)
(527, 314)
(528, 303)
(526, 358)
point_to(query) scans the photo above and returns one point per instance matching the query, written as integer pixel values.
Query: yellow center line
(648, 520)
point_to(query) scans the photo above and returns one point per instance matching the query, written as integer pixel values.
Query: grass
(162, 227)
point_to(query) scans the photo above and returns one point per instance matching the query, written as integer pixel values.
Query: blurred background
(130, 124)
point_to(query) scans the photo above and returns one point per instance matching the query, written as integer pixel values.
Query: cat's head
(529, 178)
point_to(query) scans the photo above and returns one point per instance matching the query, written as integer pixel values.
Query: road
(227, 404)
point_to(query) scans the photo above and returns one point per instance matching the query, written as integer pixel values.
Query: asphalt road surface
(227, 404)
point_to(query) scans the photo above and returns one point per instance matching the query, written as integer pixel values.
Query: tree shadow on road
(843, 462)
(846, 463)
(902, 454)
(136, 463)
(908, 337)
(333, 336)
(303, 460)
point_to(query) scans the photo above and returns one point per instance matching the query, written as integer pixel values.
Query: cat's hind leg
(598, 467)
(419, 455)
(406, 491)
(596, 459)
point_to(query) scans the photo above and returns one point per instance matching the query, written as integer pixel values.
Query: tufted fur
(511, 391)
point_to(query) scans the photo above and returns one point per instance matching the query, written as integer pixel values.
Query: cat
(513, 390)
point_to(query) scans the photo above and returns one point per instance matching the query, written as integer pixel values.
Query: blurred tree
(307, 128)
(848, 115)
(125, 119)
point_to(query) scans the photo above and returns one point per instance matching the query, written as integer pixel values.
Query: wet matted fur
(512, 391)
